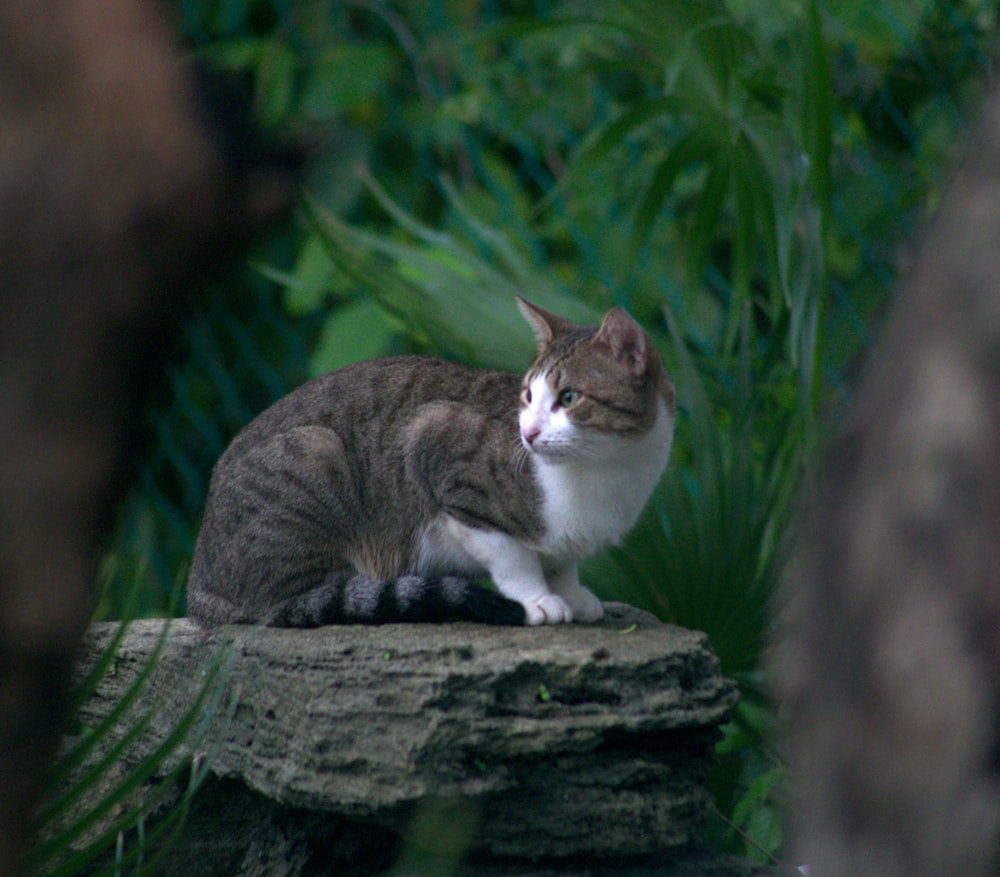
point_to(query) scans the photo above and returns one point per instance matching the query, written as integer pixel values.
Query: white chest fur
(593, 502)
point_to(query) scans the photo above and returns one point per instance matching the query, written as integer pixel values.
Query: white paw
(584, 605)
(547, 609)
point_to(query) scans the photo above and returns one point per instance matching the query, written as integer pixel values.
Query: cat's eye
(526, 395)
(568, 398)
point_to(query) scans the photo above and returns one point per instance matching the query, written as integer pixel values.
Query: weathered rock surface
(522, 750)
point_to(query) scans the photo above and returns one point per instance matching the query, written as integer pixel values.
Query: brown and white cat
(369, 494)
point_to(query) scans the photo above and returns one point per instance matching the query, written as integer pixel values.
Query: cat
(372, 493)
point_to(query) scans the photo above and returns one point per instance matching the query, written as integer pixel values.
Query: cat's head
(590, 387)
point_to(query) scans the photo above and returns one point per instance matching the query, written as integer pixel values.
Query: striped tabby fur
(373, 493)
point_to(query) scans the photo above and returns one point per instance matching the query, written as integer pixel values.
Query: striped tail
(348, 597)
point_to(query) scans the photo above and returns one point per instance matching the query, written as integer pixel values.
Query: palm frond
(109, 782)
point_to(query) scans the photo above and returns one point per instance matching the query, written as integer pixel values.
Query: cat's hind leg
(208, 609)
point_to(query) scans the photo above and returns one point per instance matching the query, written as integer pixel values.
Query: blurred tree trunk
(890, 657)
(115, 187)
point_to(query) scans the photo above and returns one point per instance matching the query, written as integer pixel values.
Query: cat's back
(380, 396)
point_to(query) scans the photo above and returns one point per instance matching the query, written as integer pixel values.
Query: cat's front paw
(547, 609)
(584, 605)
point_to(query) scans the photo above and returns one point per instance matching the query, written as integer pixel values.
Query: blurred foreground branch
(117, 184)
(890, 659)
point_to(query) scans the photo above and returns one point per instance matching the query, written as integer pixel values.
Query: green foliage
(707, 550)
(439, 286)
(758, 815)
(749, 779)
(740, 174)
(733, 173)
(97, 818)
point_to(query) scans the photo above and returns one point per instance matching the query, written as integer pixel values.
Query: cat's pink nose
(530, 433)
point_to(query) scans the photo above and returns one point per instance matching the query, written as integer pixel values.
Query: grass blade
(692, 147)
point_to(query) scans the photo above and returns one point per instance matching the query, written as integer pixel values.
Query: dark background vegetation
(745, 177)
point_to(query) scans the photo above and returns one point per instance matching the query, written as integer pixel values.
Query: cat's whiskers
(520, 456)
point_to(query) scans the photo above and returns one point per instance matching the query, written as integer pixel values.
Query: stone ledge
(564, 743)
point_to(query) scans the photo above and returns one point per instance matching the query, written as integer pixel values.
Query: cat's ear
(545, 325)
(626, 341)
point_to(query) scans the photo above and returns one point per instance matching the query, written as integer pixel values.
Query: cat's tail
(349, 597)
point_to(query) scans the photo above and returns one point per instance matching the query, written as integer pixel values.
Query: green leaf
(311, 281)
(694, 146)
(709, 61)
(354, 331)
(276, 65)
(530, 26)
(707, 213)
(817, 109)
(78, 754)
(86, 687)
(760, 190)
(884, 29)
(744, 243)
(346, 76)
(810, 315)
(758, 814)
(599, 146)
(87, 816)
(238, 54)
(440, 289)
